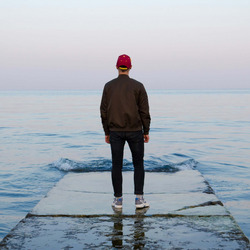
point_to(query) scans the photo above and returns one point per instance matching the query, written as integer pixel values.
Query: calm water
(46, 134)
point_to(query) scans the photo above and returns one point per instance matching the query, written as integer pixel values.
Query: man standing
(125, 117)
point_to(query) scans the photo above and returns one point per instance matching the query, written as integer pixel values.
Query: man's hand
(146, 138)
(107, 139)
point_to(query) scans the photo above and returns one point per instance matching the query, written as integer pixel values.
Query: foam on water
(68, 165)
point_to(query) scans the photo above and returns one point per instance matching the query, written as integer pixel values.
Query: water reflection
(138, 230)
(117, 236)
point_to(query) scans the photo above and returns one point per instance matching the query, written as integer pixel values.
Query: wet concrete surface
(184, 213)
(139, 232)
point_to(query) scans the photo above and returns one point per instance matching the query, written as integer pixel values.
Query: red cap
(125, 61)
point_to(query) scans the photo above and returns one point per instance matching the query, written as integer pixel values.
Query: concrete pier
(184, 213)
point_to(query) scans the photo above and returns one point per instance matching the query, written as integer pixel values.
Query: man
(125, 117)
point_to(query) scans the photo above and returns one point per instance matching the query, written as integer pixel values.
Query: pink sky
(173, 44)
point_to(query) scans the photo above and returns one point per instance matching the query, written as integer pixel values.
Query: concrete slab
(91, 194)
(77, 214)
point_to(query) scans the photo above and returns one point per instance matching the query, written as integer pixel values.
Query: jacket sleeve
(103, 111)
(144, 110)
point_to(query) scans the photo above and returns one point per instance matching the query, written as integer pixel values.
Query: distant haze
(180, 44)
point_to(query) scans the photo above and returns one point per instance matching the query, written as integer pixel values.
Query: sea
(46, 134)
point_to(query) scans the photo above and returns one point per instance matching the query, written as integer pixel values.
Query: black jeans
(136, 144)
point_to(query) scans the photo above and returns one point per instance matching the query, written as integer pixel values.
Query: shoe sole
(141, 206)
(117, 206)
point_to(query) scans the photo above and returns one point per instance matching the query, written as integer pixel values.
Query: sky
(74, 44)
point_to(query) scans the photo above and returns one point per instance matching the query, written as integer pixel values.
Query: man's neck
(123, 73)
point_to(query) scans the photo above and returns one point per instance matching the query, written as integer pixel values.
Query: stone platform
(184, 213)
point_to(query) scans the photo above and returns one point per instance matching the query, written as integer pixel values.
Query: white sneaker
(141, 203)
(117, 203)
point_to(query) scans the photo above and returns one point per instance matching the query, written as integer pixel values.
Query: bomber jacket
(124, 106)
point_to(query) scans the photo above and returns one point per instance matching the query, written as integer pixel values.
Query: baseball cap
(124, 62)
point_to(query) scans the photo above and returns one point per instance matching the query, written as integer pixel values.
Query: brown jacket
(124, 106)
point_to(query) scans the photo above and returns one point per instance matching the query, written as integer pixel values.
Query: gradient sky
(174, 44)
